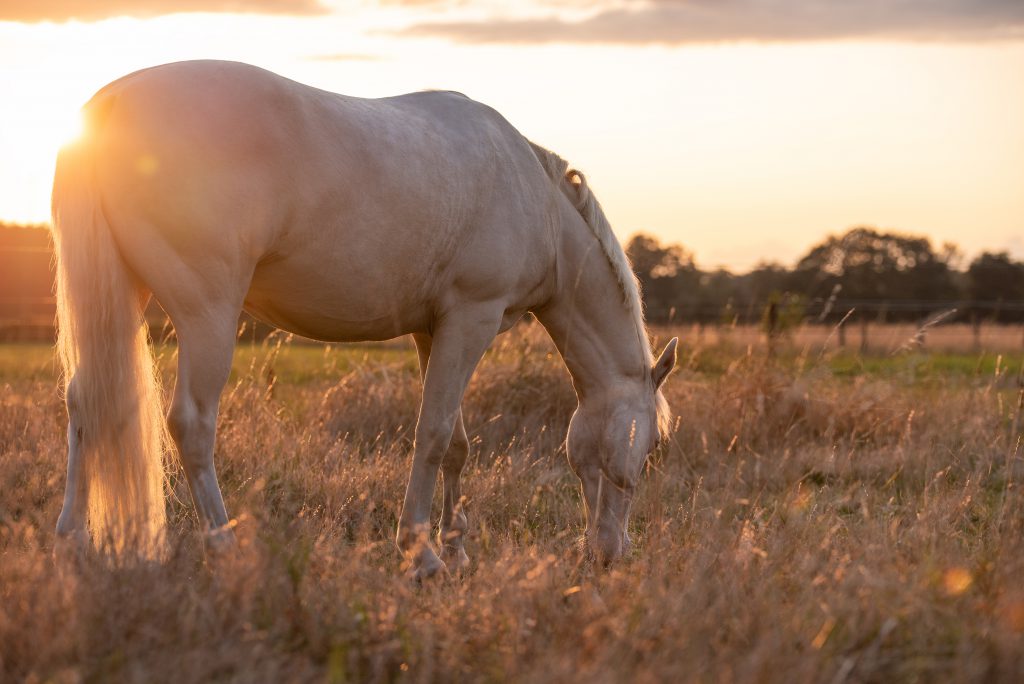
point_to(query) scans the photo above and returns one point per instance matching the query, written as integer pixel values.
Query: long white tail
(109, 376)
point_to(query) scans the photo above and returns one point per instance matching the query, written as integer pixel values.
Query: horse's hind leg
(453, 518)
(72, 532)
(205, 346)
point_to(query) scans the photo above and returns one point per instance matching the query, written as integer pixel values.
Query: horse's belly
(336, 307)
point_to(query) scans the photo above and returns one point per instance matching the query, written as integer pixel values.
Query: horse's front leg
(454, 524)
(453, 518)
(458, 342)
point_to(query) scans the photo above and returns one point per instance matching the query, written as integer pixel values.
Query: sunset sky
(743, 129)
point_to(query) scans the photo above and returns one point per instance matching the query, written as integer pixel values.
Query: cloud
(93, 10)
(345, 57)
(713, 21)
(417, 3)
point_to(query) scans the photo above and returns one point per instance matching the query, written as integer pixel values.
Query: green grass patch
(301, 363)
(291, 363)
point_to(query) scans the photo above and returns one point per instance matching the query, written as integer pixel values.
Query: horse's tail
(109, 377)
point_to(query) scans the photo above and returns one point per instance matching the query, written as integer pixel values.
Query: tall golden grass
(798, 526)
(875, 338)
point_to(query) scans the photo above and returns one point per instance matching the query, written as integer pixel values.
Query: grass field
(816, 516)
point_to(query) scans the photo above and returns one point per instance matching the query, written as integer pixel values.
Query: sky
(745, 130)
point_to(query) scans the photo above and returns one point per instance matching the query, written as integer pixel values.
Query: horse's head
(609, 439)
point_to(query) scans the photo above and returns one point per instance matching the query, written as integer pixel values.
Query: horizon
(959, 264)
(724, 130)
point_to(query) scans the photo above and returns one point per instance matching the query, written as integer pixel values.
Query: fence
(32, 320)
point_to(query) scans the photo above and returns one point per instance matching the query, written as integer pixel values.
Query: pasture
(817, 515)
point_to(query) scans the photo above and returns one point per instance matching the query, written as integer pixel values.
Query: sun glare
(33, 132)
(68, 129)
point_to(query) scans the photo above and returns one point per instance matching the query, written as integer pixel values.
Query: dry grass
(800, 526)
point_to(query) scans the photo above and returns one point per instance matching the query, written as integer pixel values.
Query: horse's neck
(587, 318)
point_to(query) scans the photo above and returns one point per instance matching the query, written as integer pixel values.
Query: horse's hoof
(220, 541)
(429, 568)
(456, 560)
(70, 548)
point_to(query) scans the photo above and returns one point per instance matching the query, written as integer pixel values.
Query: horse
(217, 187)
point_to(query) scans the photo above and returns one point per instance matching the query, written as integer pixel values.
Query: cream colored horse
(217, 187)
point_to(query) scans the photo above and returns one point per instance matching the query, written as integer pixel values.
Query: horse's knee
(431, 441)
(458, 452)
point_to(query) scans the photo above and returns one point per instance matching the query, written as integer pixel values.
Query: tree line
(880, 276)
(877, 275)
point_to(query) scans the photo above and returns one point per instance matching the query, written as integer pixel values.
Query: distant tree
(668, 277)
(868, 264)
(995, 277)
(25, 265)
(718, 300)
(763, 282)
(864, 264)
(26, 282)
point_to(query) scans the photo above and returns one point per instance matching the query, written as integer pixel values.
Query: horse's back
(333, 216)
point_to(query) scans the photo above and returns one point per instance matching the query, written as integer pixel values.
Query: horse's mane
(573, 184)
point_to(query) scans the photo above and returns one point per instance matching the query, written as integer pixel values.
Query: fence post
(863, 332)
(772, 324)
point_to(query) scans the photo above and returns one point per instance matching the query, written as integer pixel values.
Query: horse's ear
(665, 363)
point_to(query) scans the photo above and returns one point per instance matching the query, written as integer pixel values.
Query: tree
(868, 264)
(764, 281)
(995, 277)
(718, 300)
(668, 277)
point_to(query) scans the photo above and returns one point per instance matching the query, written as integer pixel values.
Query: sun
(67, 129)
(33, 135)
